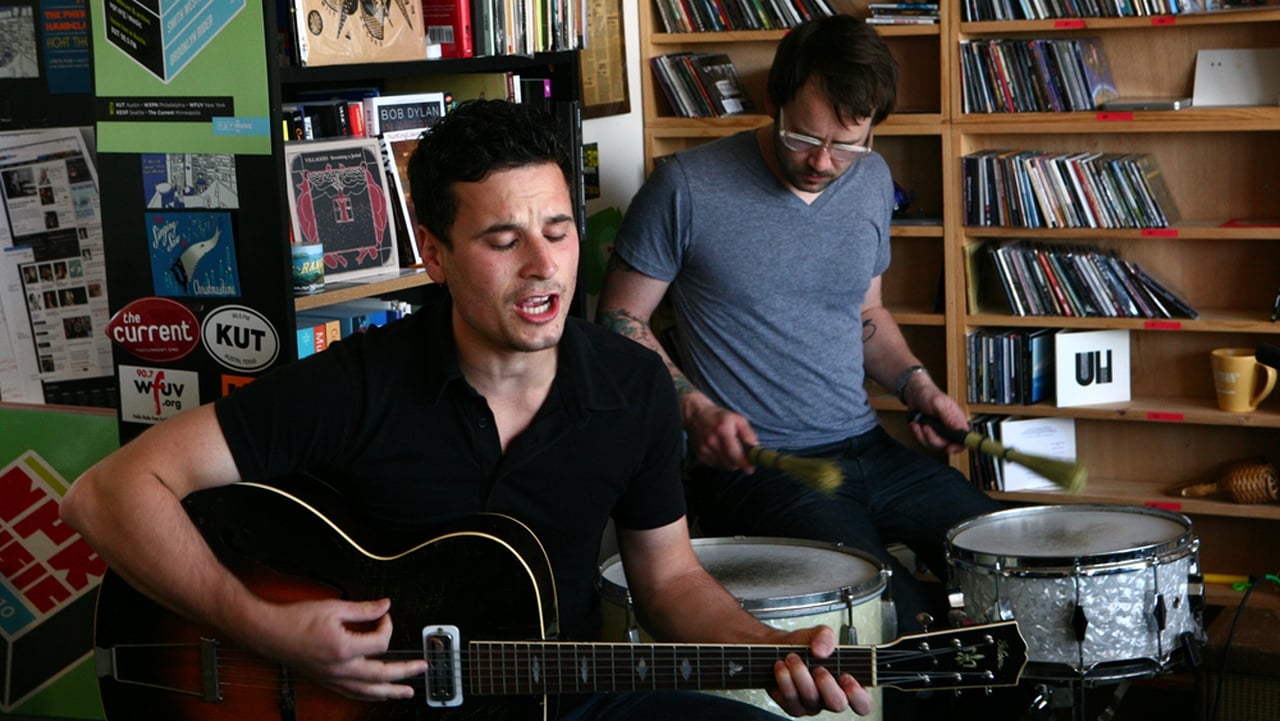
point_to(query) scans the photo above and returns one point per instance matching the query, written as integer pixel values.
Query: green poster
(47, 595)
(174, 76)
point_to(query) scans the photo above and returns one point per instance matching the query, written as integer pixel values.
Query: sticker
(155, 329)
(190, 180)
(150, 395)
(192, 254)
(240, 338)
(231, 383)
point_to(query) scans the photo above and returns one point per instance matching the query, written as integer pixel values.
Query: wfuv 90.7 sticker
(150, 395)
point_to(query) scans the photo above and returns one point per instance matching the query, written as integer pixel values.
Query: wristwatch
(900, 387)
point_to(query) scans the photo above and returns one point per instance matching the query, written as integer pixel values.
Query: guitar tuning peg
(925, 619)
(957, 618)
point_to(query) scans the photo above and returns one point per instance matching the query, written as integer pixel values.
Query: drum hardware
(847, 634)
(1052, 697)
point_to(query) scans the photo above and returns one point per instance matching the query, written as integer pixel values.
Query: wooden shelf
(1041, 27)
(1205, 229)
(368, 287)
(1210, 321)
(1112, 491)
(1191, 411)
(1191, 120)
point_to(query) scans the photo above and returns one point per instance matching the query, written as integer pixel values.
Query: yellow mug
(1240, 381)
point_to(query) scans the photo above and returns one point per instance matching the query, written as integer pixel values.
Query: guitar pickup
(441, 647)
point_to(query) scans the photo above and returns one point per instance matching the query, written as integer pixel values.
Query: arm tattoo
(868, 330)
(623, 323)
(682, 384)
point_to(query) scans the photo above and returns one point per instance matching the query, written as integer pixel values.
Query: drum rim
(1178, 547)
(777, 606)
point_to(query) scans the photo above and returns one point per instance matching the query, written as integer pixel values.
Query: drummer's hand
(717, 436)
(802, 691)
(931, 400)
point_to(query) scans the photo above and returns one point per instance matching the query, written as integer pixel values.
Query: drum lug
(633, 624)
(848, 635)
(1160, 612)
(1079, 623)
(889, 618)
(1195, 592)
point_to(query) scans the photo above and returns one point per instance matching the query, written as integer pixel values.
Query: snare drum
(786, 583)
(1099, 592)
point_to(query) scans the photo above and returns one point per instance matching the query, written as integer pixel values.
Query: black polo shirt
(389, 418)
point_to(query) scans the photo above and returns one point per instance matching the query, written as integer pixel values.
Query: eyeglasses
(798, 143)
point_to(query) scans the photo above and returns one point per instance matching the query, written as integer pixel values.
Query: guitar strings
(559, 668)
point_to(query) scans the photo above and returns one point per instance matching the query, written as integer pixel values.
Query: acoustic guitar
(476, 599)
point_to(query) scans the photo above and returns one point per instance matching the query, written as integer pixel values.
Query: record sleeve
(339, 197)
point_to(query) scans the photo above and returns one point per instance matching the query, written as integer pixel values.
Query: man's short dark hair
(475, 139)
(858, 74)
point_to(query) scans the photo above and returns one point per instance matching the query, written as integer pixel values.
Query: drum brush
(820, 474)
(1071, 476)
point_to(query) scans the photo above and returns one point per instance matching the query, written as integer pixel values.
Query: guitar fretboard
(496, 668)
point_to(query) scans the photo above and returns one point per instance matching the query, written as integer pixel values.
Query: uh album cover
(338, 197)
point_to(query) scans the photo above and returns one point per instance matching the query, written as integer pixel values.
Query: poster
(53, 292)
(604, 61)
(161, 73)
(47, 631)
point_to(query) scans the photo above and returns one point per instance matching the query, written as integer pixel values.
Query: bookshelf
(261, 220)
(1219, 164)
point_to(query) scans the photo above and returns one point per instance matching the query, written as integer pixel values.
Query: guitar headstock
(969, 657)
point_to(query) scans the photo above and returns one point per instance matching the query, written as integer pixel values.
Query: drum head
(776, 577)
(1041, 536)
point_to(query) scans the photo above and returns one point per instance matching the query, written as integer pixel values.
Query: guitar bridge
(441, 647)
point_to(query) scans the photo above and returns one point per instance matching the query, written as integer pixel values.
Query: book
(339, 197)
(448, 24)
(353, 316)
(1154, 186)
(1166, 296)
(397, 148)
(1048, 437)
(1100, 86)
(1091, 367)
(328, 118)
(341, 33)
(312, 336)
(403, 111)
(719, 78)
(461, 86)
(902, 20)
(536, 91)
(1039, 364)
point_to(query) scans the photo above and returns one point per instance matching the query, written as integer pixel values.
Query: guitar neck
(974, 657)
(502, 668)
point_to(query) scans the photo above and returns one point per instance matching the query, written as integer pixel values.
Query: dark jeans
(890, 493)
(667, 706)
